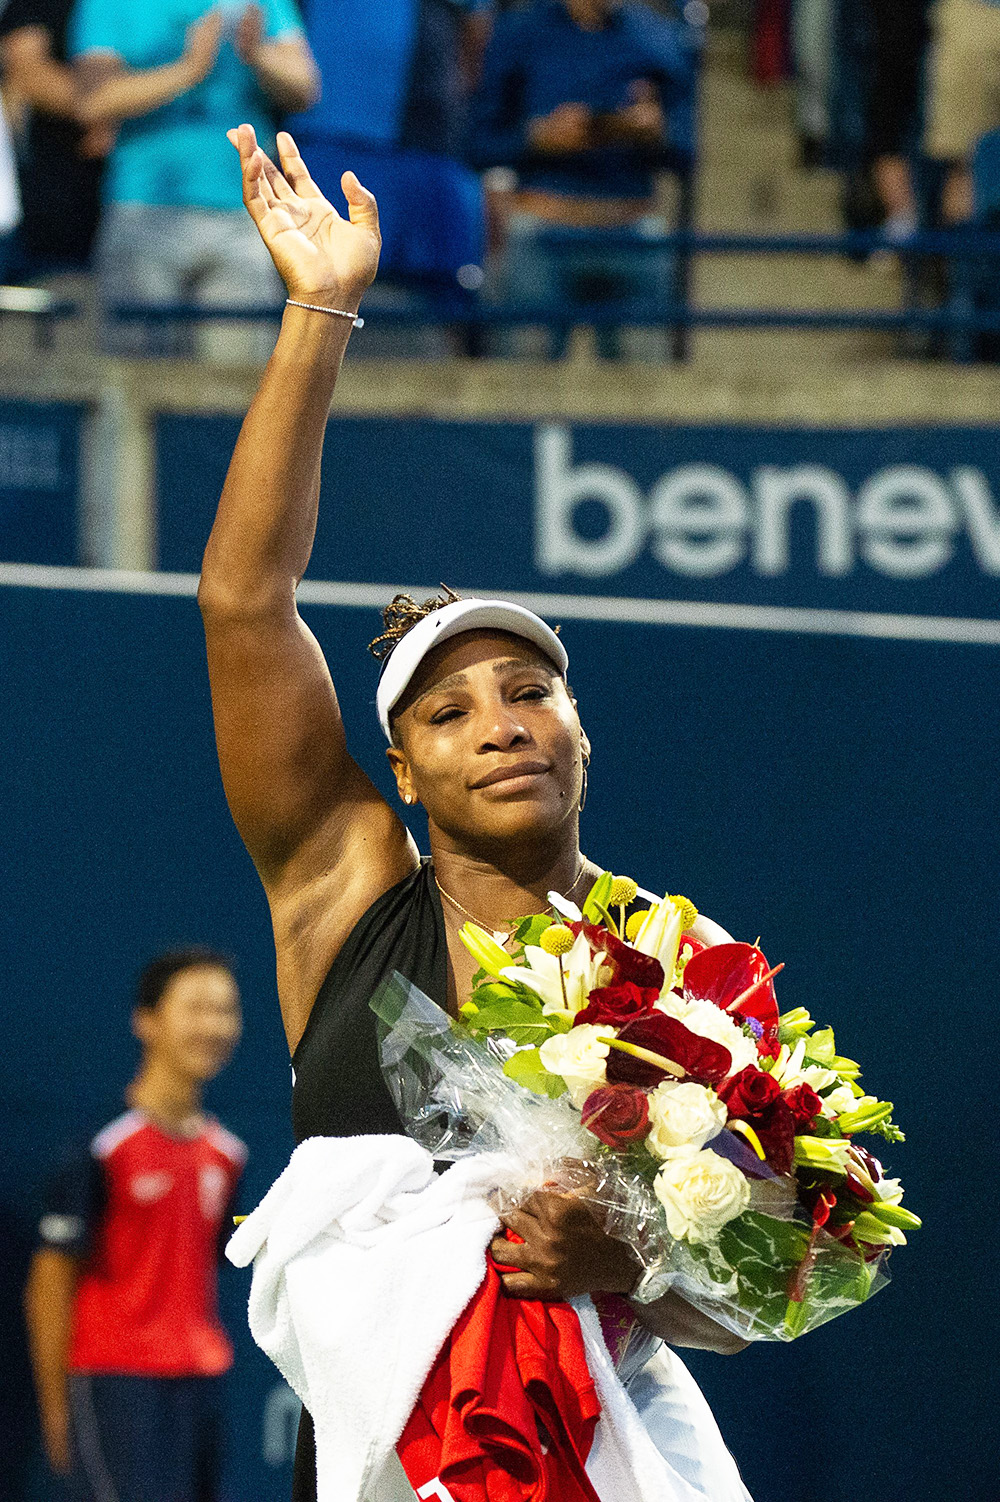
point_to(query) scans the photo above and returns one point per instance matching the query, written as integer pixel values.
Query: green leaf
(522, 1023)
(530, 930)
(506, 991)
(821, 1048)
(597, 897)
(528, 1070)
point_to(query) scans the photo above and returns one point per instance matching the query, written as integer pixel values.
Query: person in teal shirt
(171, 78)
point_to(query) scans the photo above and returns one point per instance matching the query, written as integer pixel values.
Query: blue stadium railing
(970, 308)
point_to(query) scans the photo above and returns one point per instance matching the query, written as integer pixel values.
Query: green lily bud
(895, 1215)
(867, 1119)
(484, 949)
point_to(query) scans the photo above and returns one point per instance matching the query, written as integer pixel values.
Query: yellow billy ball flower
(557, 940)
(634, 924)
(623, 892)
(688, 911)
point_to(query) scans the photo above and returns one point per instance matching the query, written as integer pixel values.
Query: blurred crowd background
(526, 156)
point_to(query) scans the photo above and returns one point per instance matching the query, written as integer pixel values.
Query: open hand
(321, 257)
(565, 1252)
(202, 43)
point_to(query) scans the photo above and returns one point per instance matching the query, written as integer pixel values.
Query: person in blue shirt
(171, 77)
(586, 101)
(396, 80)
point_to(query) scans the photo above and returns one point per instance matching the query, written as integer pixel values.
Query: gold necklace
(500, 935)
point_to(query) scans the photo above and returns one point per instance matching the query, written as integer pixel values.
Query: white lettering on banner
(981, 517)
(700, 520)
(436, 1488)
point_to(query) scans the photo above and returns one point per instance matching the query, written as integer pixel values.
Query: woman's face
(489, 741)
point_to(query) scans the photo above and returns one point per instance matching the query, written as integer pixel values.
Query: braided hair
(402, 614)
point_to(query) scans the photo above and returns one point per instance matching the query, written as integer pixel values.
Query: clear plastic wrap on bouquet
(770, 1274)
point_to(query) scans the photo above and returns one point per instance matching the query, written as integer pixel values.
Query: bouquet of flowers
(657, 1075)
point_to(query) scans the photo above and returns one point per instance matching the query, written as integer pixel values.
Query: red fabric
(508, 1367)
(146, 1299)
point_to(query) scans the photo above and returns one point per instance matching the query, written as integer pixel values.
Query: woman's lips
(522, 771)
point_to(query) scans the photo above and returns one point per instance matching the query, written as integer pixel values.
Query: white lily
(660, 936)
(565, 908)
(540, 973)
(789, 1069)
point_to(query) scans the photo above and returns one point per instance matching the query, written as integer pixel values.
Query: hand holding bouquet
(721, 1135)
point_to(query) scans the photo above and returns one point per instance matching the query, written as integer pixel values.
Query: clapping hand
(249, 35)
(321, 256)
(202, 43)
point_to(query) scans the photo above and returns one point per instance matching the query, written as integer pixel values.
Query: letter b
(560, 488)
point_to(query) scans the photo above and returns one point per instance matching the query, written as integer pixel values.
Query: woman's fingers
(360, 203)
(294, 167)
(509, 1253)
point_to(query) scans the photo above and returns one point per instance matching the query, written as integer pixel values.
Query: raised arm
(283, 65)
(323, 839)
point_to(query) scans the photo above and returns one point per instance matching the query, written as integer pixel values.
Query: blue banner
(39, 481)
(899, 520)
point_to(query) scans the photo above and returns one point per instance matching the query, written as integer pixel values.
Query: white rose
(580, 1057)
(683, 1114)
(700, 1192)
(710, 1021)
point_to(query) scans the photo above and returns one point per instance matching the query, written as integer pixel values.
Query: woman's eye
(444, 715)
(534, 692)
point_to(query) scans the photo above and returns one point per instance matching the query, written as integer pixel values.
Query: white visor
(451, 620)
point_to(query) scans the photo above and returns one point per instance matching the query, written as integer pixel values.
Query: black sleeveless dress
(338, 1088)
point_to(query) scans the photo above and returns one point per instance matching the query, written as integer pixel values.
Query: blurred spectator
(60, 163)
(812, 37)
(964, 93)
(121, 1304)
(900, 43)
(578, 97)
(10, 207)
(396, 79)
(174, 228)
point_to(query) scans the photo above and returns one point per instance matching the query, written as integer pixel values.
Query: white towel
(363, 1261)
(364, 1258)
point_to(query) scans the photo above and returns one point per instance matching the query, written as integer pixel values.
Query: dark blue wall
(836, 797)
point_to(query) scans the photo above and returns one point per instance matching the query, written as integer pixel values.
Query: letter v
(981, 515)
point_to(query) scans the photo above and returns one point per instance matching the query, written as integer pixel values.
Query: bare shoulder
(710, 932)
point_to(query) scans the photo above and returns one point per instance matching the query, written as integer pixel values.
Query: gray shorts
(154, 254)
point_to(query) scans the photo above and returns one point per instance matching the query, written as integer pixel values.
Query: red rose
(700, 1058)
(749, 1094)
(616, 1114)
(805, 1104)
(615, 1004)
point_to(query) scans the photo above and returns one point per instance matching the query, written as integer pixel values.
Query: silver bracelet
(314, 307)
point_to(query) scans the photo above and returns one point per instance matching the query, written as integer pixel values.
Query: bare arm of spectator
(48, 1307)
(112, 92)
(501, 134)
(35, 75)
(284, 66)
(641, 123)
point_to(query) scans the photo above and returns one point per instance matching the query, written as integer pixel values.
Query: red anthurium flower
(617, 1114)
(805, 1104)
(616, 1004)
(776, 1131)
(749, 1094)
(627, 963)
(700, 1058)
(730, 973)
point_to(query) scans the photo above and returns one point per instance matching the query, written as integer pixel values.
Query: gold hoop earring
(583, 786)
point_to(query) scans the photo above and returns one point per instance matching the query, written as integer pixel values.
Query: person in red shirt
(127, 1347)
